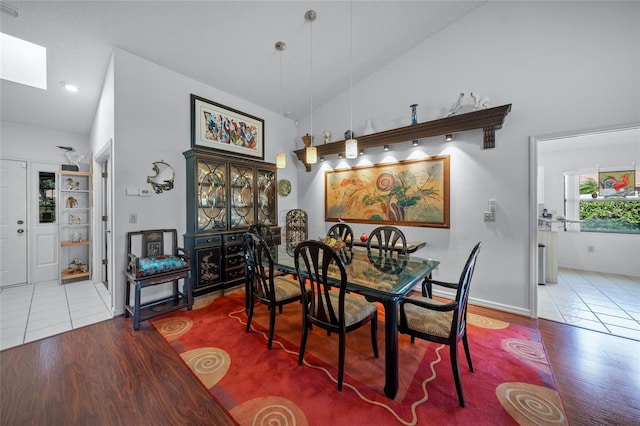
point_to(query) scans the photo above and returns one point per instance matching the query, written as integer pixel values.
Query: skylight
(23, 62)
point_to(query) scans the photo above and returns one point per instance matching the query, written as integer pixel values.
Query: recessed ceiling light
(69, 87)
(23, 62)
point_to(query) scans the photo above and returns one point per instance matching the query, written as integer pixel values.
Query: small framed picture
(221, 128)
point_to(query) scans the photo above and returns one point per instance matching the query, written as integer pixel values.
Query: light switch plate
(145, 192)
(132, 191)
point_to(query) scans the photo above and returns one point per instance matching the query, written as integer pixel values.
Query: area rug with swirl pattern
(512, 382)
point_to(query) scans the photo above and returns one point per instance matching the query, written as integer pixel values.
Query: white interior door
(44, 246)
(13, 222)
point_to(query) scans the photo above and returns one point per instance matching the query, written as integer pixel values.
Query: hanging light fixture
(311, 152)
(281, 159)
(351, 144)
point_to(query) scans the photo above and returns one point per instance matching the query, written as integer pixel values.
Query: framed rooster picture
(410, 193)
(616, 184)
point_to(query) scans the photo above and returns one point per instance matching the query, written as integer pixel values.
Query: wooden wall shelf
(489, 120)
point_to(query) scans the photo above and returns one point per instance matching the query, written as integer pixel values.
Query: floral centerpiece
(336, 244)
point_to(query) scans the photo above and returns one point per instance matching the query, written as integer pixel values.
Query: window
(603, 201)
(47, 202)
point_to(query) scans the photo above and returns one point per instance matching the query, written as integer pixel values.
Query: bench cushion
(159, 264)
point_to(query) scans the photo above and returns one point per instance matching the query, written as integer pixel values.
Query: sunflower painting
(413, 193)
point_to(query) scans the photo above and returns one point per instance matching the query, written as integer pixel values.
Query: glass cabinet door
(211, 190)
(242, 196)
(267, 197)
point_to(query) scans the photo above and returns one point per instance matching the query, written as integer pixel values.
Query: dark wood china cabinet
(225, 195)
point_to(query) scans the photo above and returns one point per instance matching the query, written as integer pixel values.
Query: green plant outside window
(47, 199)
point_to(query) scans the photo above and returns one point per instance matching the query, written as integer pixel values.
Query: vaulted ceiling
(229, 45)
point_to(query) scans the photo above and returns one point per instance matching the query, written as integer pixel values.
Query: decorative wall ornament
(164, 177)
(412, 193)
(284, 187)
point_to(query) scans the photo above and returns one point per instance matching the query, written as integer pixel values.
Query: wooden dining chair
(439, 322)
(341, 231)
(265, 233)
(262, 231)
(263, 285)
(327, 305)
(387, 241)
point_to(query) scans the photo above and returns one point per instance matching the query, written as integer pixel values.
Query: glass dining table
(380, 279)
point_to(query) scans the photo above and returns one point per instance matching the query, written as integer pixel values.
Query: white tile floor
(34, 311)
(602, 302)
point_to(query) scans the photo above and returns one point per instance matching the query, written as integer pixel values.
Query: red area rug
(512, 382)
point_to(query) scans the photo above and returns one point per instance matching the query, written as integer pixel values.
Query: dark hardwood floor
(107, 374)
(102, 374)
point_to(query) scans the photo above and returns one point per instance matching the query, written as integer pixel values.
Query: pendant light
(351, 144)
(281, 159)
(311, 152)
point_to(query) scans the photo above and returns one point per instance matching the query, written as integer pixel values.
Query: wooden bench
(153, 257)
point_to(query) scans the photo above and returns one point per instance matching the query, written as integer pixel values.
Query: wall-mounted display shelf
(74, 225)
(489, 120)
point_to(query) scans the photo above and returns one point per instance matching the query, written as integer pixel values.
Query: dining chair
(263, 285)
(388, 241)
(439, 322)
(264, 232)
(327, 304)
(343, 232)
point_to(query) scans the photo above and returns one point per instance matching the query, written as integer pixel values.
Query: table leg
(391, 348)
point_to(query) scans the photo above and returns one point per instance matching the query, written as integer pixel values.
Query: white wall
(563, 65)
(33, 143)
(614, 253)
(152, 123)
(101, 137)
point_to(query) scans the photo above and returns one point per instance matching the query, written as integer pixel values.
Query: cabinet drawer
(234, 261)
(233, 238)
(211, 239)
(234, 274)
(233, 250)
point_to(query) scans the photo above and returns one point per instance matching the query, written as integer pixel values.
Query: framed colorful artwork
(225, 129)
(410, 193)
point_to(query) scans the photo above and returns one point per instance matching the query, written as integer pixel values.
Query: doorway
(103, 182)
(598, 281)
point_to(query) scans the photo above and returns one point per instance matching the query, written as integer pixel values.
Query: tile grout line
(26, 325)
